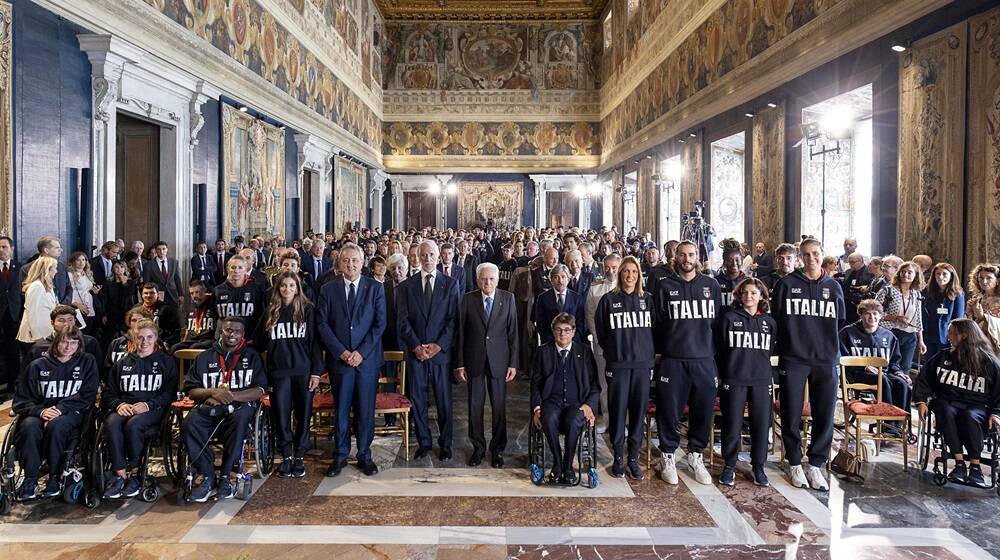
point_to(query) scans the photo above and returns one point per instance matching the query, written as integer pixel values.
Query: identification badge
(942, 310)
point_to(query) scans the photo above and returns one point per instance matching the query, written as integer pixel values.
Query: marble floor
(428, 509)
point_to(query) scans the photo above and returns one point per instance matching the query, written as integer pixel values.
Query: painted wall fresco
(768, 176)
(491, 139)
(732, 36)
(245, 31)
(984, 140)
(627, 34)
(453, 56)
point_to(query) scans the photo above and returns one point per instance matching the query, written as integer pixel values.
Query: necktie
(6, 273)
(163, 269)
(561, 302)
(107, 268)
(489, 307)
(351, 296)
(562, 358)
(319, 268)
(447, 270)
(428, 293)
(222, 263)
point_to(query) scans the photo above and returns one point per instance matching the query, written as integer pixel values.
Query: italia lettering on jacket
(687, 309)
(207, 324)
(288, 330)
(244, 309)
(961, 380)
(132, 382)
(630, 319)
(811, 307)
(240, 379)
(870, 352)
(61, 388)
(749, 340)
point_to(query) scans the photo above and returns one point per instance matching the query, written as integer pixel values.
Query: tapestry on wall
(932, 78)
(6, 126)
(348, 196)
(496, 204)
(768, 171)
(253, 193)
(984, 140)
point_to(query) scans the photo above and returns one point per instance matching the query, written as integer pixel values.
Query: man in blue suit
(426, 309)
(315, 264)
(450, 269)
(350, 318)
(203, 265)
(560, 299)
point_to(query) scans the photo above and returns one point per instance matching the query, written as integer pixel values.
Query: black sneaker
(114, 488)
(285, 470)
(618, 468)
(728, 477)
(976, 476)
(298, 468)
(53, 487)
(132, 486)
(225, 489)
(634, 470)
(959, 474)
(28, 490)
(759, 476)
(205, 491)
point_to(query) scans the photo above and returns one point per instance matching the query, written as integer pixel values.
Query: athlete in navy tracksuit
(730, 275)
(745, 341)
(687, 306)
(139, 389)
(866, 338)
(808, 306)
(624, 324)
(238, 296)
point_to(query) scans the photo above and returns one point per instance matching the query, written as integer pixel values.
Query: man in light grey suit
(486, 358)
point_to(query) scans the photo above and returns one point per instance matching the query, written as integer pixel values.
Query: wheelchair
(586, 456)
(929, 439)
(258, 446)
(77, 487)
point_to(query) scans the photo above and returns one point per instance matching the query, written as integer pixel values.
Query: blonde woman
(84, 289)
(39, 300)
(983, 305)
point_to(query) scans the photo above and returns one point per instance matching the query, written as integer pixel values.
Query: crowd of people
(602, 323)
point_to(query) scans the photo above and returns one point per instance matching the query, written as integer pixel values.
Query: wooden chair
(396, 401)
(184, 358)
(857, 412)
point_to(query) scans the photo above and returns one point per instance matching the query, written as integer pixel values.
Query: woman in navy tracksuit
(624, 324)
(288, 333)
(745, 340)
(944, 301)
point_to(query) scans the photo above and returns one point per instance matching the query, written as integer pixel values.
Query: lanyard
(227, 373)
(199, 316)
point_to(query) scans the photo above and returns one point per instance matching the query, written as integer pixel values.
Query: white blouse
(81, 292)
(38, 303)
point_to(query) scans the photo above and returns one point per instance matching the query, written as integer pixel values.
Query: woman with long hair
(39, 300)
(288, 333)
(983, 305)
(745, 341)
(961, 385)
(84, 289)
(117, 296)
(903, 311)
(944, 301)
(624, 324)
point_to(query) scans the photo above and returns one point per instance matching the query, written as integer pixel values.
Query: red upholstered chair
(396, 401)
(857, 412)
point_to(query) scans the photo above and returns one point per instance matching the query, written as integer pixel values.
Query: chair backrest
(183, 357)
(399, 379)
(876, 362)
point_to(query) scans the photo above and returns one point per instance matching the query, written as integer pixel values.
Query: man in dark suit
(163, 271)
(468, 261)
(49, 246)
(426, 305)
(315, 263)
(763, 263)
(564, 393)
(100, 266)
(220, 257)
(560, 299)
(11, 308)
(486, 357)
(203, 265)
(449, 268)
(580, 277)
(350, 320)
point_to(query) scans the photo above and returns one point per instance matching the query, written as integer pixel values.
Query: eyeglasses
(561, 330)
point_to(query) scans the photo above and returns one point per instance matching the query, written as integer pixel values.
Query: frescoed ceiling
(483, 10)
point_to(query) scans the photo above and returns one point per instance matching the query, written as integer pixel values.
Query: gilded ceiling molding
(491, 106)
(480, 164)
(484, 10)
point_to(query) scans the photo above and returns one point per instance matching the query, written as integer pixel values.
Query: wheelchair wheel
(150, 493)
(91, 498)
(593, 479)
(172, 444)
(5, 503)
(263, 441)
(10, 470)
(940, 479)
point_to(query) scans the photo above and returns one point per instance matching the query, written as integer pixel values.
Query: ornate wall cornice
(481, 10)
(491, 106)
(480, 164)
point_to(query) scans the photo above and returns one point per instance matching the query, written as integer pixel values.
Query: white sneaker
(798, 476)
(668, 469)
(816, 479)
(697, 464)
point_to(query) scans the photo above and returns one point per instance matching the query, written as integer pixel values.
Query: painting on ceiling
(253, 159)
(490, 56)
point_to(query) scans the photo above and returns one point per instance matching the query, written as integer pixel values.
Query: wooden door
(419, 210)
(562, 209)
(137, 181)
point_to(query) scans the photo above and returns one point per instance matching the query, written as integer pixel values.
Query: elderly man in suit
(203, 265)
(163, 271)
(350, 319)
(486, 358)
(597, 291)
(564, 392)
(426, 305)
(315, 264)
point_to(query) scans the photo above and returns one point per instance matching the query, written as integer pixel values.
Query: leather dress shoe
(336, 467)
(445, 454)
(421, 453)
(368, 467)
(497, 461)
(476, 459)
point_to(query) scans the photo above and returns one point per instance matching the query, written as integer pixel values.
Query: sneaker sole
(730, 484)
(210, 495)
(298, 475)
(133, 494)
